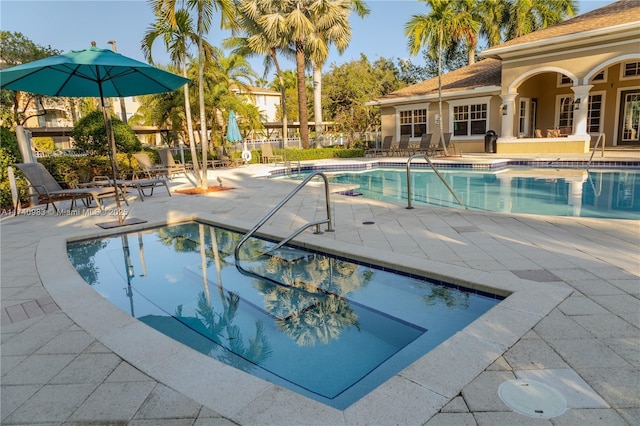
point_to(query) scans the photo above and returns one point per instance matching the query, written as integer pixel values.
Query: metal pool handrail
(426, 157)
(302, 228)
(595, 148)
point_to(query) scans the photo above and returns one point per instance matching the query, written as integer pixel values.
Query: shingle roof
(487, 72)
(618, 13)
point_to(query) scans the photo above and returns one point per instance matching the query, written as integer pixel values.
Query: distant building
(267, 101)
(555, 90)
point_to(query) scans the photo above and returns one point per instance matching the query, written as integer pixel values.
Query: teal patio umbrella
(92, 72)
(233, 131)
(233, 136)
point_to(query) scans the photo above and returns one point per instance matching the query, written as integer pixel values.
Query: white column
(580, 109)
(508, 112)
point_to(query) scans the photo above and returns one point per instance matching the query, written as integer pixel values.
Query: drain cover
(531, 398)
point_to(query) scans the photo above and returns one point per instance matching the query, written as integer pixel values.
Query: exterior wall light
(576, 104)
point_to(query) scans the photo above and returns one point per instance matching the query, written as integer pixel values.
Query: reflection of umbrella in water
(94, 73)
(193, 335)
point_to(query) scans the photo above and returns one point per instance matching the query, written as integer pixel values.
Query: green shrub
(318, 153)
(9, 154)
(44, 144)
(90, 135)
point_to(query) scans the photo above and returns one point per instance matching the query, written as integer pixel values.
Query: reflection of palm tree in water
(323, 322)
(310, 306)
(220, 328)
(449, 296)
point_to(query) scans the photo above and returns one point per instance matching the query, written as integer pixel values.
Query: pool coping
(416, 393)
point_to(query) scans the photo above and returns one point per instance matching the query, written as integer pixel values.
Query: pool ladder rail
(273, 211)
(426, 157)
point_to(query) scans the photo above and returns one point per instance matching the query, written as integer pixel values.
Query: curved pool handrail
(426, 157)
(281, 204)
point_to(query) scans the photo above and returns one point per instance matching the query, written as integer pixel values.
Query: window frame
(603, 94)
(624, 76)
(484, 101)
(412, 108)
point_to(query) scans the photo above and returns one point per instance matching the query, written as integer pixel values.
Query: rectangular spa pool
(323, 326)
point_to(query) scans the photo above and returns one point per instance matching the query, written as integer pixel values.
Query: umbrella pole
(112, 154)
(114, 170)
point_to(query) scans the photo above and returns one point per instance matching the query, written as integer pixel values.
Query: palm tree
(331, 19)
(446, 24)
(526, 16)
(256, 41)
(177, 38)
(205, 10)
(222, 75)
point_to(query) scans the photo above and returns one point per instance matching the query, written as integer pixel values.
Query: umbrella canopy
(91, 72)
(233, 131)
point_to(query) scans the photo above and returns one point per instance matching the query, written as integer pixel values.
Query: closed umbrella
(92, 72)
(233, 135)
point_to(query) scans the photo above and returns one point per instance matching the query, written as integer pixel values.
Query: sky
(73, 24)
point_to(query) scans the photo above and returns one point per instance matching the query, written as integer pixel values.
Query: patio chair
(403, 146)
(222, 158)
(149, 168)
(139, 184)
(267, 155)
(166, 157)
(425, 145)
(448, 144)
(385, 148)
(50, 190)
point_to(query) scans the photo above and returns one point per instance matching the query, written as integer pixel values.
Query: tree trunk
(317, 100)
(191, 139)
(442, 142)
(302, 96)
(283, 99)
(204, 183)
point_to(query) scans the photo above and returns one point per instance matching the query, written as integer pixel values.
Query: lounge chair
(222, 159)
(448, 144)
(166, 157)
(49, 190)
(403, 145)
(425, 145)
(385, 148)
(148, 168)
(267, 155)
(139, 184)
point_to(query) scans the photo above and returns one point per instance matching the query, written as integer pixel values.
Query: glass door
(629, 118)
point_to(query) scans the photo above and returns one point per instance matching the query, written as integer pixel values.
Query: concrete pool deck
(69, 357)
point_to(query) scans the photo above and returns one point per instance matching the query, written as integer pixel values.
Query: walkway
(57, 371)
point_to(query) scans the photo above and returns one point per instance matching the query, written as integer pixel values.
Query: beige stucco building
(553, 90)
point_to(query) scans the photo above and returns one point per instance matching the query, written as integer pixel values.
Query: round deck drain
(532, 398)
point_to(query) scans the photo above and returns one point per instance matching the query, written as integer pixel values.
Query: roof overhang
(600, 35)
(469, 93)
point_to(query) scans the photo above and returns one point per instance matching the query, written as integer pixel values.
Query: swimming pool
(601, 193)
(322, 326)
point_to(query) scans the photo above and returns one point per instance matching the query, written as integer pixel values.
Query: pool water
(325, 327)
(610, 193)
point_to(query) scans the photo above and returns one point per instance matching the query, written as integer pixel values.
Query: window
(469, 119)
(601, 77)
(565, 111)
(594, 117)
(523, 114)
(631, 69)
(564, 80)
(413, 122)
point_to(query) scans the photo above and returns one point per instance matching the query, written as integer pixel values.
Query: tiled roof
(618, 13)
(487, 72)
